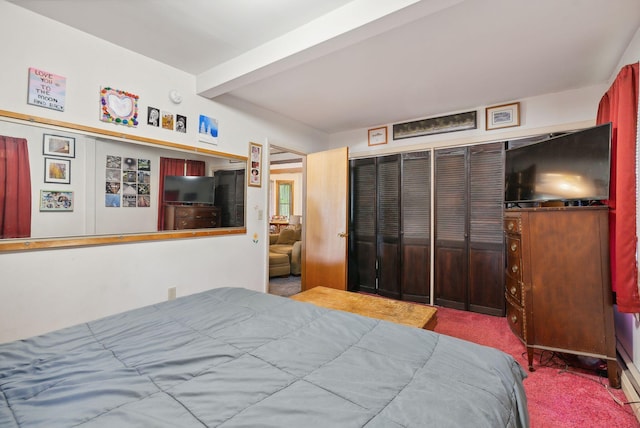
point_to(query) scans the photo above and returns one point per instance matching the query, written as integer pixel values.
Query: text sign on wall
(46, 89)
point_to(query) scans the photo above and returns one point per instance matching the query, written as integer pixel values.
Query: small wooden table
(412, 314)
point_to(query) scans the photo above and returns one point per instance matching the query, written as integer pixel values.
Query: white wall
(50, 289)
(541, 114)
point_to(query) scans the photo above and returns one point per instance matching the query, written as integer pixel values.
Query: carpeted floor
(558, 396)
(284, 286)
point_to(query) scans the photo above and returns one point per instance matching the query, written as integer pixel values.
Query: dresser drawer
(515, 318)
(514, 257)
(195, 223)
(196, 212)
(513, 225)
(513, 288)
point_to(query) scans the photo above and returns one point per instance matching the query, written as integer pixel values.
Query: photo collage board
(127, 182)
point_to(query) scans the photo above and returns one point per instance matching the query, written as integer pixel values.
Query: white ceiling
(338, 65)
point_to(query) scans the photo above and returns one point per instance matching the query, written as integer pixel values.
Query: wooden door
(388, 226)
(415, 235)
(327, 196)
(362, 226)
(486, 242)
(451, 228)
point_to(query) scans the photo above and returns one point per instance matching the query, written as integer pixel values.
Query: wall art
(503, 116)
(153, 116)
(208, 129)
(119, 107)
(57, 171)
(46, 89)
(57, 145)
(435, 125)
(54, 200)
(255, 165)
(167, 120)
(378, 136)
(181, 123)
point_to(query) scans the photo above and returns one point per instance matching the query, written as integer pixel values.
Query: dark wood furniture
(410, 314)
(179, 217)
(469, 243)
(557, 282)
(390, 226)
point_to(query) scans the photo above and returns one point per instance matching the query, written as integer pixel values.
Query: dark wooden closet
(390, 227)
(469, 248)
(229, 197)
(389, 237)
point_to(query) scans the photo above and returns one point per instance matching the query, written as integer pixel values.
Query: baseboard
(630, 380)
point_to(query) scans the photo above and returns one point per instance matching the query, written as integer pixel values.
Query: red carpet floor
(556, 397)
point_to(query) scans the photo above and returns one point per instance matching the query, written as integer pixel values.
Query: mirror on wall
(87, 184)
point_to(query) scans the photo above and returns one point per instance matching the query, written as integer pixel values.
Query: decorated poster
(46, 89)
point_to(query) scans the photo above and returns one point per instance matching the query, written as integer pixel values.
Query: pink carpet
(556, 398)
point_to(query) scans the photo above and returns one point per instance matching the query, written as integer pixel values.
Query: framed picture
(503, 116)
(118, 107)
(55, 200)
(255, 165)
(435, 125)
(57, 145)
(57, 171)
(378, 136)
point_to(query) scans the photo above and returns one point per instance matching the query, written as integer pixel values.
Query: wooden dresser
(557, 282)
(179, 217)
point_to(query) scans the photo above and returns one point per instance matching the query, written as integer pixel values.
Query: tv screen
(569, 167)
(189, 189)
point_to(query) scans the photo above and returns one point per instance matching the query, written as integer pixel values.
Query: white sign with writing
(46, 89)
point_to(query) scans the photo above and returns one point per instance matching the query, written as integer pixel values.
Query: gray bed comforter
(232, 357)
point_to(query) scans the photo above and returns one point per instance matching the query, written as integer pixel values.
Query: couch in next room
(289, 242)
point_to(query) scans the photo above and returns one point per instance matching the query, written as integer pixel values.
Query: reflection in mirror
(86, 184)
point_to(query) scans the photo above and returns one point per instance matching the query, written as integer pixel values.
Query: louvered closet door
(486, 250)
(416, 225)
(362, 227)
(389, 226)
(451, 228)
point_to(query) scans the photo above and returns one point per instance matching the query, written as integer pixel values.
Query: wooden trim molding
(13, 245)
(114, 134)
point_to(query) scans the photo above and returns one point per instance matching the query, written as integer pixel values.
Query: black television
(189, 190)
(573, 168)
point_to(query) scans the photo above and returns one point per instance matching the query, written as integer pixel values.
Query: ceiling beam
(345, 26)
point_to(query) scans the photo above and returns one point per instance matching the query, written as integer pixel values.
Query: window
(284, 198)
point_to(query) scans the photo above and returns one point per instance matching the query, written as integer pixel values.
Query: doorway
(286, 212)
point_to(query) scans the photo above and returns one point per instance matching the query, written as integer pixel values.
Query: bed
(232, 357)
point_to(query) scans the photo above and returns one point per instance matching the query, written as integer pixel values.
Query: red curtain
(620, 107)
(15, 188)
(195, 168)
(169, 166)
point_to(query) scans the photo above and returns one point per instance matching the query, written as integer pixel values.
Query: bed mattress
(232, 357)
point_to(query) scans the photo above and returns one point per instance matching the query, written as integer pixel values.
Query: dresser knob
(510, 226)
(514, 319)
(514, 247)
(514, 268)
(513, 291)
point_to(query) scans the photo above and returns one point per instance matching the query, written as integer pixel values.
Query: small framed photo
(54, 200)
(503, 116)
(378, 136)
(57, 145)
(255, 165)
(57, 171)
